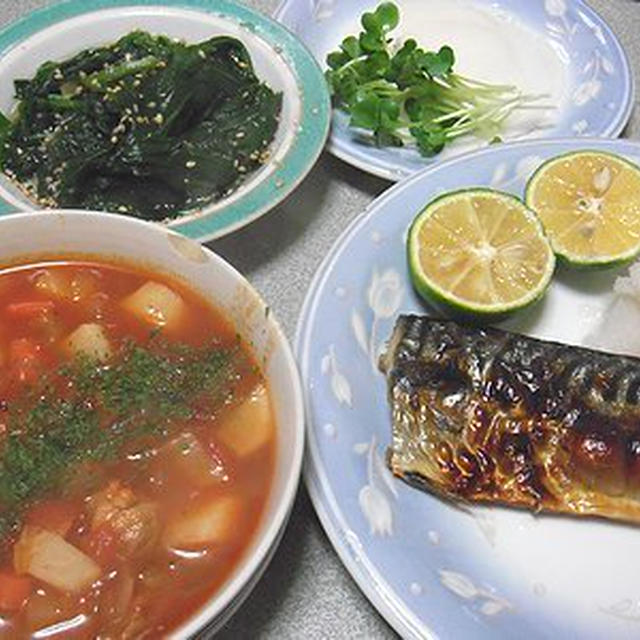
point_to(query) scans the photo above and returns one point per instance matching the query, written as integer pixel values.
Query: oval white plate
(434, 570)
(594, 98)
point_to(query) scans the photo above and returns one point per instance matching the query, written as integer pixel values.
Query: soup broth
(137, 449)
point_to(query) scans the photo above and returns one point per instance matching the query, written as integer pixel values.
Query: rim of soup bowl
(276, 513)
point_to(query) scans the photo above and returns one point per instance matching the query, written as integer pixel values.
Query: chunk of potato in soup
(137, 450)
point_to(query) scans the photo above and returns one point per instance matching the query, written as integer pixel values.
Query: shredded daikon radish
(619, 329)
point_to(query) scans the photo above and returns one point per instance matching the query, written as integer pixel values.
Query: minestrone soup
(137, 449)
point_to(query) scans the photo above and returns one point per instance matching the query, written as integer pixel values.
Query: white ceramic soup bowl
(78, 234)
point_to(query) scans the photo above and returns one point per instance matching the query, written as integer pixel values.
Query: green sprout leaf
(376, 65)
(388, 16)
(366, 113)
(371, 23)
(430, 139)
(438, 64)
(371, 42)
(337, 59)
(351, 47)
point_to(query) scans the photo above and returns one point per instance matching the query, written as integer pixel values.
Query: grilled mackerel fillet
(484, 415)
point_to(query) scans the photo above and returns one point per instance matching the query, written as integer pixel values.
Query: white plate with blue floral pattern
(431, 569)
(559, 48)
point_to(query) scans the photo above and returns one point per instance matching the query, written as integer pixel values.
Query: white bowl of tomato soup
(151, 430)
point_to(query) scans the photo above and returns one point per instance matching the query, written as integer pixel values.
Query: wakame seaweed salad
(149, 126)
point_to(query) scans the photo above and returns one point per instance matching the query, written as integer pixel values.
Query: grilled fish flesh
(484, 415)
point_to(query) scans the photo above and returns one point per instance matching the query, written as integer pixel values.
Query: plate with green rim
(64, 29)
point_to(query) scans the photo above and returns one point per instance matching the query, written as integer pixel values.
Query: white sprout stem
(454, 114)
(348, 65)
(469, 82)
(497, 114)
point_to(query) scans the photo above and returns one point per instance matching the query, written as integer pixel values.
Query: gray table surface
(306, 592)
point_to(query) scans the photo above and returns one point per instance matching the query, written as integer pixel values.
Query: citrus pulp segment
(589, 204)
(479, 252)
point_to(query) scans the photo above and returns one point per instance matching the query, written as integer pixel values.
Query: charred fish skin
(484, 415)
